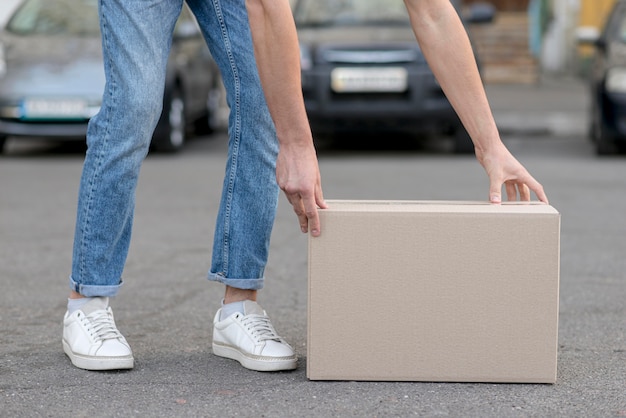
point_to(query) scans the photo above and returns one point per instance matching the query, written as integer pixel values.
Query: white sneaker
(251, 339)
(91, 339)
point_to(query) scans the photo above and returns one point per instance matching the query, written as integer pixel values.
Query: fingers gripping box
(434, 291)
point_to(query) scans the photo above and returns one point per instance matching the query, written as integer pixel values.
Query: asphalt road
(166, 307)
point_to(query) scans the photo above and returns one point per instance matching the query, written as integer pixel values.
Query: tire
(605, 146)
(601, 136)
(209, 122)
(171, 131)
(3, 140)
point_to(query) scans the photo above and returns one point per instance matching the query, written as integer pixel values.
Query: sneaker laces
(260, 328)
(101, 325)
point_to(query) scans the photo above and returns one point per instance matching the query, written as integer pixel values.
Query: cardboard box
(434, 291)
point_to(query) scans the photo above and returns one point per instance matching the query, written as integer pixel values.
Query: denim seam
(235, 138)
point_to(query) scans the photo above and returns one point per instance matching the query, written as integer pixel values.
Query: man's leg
(249, 194)
(136, 37)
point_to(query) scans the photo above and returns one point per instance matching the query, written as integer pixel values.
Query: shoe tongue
(96, 304)
(251, 307)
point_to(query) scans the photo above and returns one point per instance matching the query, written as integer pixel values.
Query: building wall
(593, 12)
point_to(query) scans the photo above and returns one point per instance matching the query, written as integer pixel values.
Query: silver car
(52, 76)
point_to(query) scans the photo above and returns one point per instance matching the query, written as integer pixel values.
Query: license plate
(369, 80)
(54, 109)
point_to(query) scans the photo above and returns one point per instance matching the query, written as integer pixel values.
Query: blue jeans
(136, 38)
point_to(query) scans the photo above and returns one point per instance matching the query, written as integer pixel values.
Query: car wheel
(210, 121)
(172, 127)
(3, 140)
(462, 141)
(605, 146)
(604, 141)
(591, 127)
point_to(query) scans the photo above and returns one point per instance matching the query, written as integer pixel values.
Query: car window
(349, 12)
(56, 17)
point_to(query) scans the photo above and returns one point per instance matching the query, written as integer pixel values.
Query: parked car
(607, 81)
(363, 71)
(52, 76)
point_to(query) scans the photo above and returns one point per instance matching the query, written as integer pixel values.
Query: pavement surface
(166, 306)
(555, 106)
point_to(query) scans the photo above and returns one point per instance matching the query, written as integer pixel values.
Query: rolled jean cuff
(246, 284)
(94, 290)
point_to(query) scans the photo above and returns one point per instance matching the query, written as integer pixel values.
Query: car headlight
(616, 80)
(306, 59)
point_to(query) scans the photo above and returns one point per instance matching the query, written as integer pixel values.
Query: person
(266, 152)
(134, 36)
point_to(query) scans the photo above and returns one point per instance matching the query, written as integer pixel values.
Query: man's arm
(447, 49)
(278, 60)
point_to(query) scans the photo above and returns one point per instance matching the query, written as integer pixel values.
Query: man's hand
(278, 59)
(503, 169)
(298, 175)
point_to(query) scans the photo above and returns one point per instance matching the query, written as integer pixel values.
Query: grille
(370, 56)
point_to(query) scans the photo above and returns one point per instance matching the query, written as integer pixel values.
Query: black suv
(363, 71)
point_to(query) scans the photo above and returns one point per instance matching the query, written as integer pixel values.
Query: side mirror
(481, 13)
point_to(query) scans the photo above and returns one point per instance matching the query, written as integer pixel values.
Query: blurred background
(545, 29)
(516, 42)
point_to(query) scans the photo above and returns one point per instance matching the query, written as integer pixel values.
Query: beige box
(434, 291)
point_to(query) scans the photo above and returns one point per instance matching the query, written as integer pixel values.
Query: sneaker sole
(98, 362)
(252, 362)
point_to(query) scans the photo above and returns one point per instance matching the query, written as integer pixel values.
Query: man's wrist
(295, 136)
